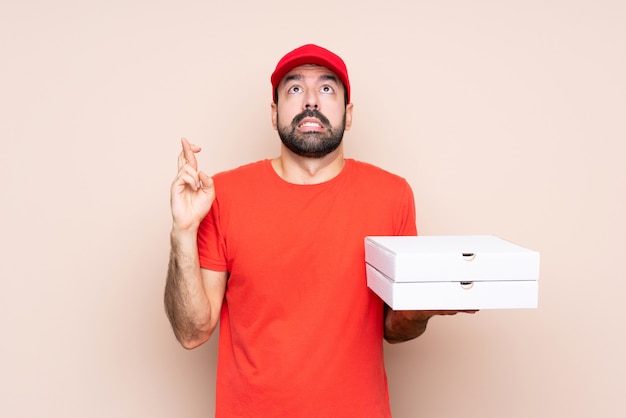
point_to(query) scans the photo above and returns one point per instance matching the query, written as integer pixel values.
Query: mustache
(310, 113)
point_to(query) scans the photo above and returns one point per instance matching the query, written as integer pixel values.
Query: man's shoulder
(252, 169)
(371, 171)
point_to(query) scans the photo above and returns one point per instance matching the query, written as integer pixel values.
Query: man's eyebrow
(325, 77)
(293, 77)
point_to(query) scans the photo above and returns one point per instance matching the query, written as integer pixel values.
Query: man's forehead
(319, 70)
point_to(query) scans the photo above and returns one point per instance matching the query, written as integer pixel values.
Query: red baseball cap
(310, 54)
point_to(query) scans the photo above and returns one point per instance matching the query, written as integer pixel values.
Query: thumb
(207, 182)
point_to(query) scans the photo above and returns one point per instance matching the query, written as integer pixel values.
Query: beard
(311, 144)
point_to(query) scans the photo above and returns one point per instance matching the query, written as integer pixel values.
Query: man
(274, 252)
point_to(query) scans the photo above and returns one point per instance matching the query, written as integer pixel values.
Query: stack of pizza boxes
(452, 272)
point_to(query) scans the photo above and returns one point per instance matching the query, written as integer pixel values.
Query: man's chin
(313, 144)
(311, 152)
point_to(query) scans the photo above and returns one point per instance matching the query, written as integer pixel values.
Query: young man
(274, 252)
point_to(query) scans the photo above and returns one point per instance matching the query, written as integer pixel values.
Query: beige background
(507, 118)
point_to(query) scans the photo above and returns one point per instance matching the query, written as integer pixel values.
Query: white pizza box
(453, 295)
(450, 258)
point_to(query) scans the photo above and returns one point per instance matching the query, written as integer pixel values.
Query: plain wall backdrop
(506, 117)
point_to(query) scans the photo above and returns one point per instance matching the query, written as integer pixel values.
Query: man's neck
(302, 170)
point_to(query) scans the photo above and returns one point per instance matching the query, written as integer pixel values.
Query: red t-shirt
(300, 333)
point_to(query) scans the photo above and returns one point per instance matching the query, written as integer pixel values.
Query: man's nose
(310, 101)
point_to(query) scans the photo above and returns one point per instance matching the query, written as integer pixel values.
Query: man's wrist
(183, 238)
(191, 230)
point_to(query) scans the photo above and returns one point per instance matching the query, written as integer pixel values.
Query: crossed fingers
(188, 165)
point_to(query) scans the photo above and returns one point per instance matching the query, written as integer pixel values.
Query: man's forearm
(186, 303)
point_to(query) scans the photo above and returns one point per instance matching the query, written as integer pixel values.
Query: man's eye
(295, 89)
(327, 89)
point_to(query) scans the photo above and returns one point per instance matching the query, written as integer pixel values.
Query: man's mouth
(309, 124)
(311, 120)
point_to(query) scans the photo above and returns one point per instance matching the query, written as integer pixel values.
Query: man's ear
(274, 116)
(349, 108)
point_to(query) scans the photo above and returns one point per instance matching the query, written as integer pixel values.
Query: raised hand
(192, 192)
